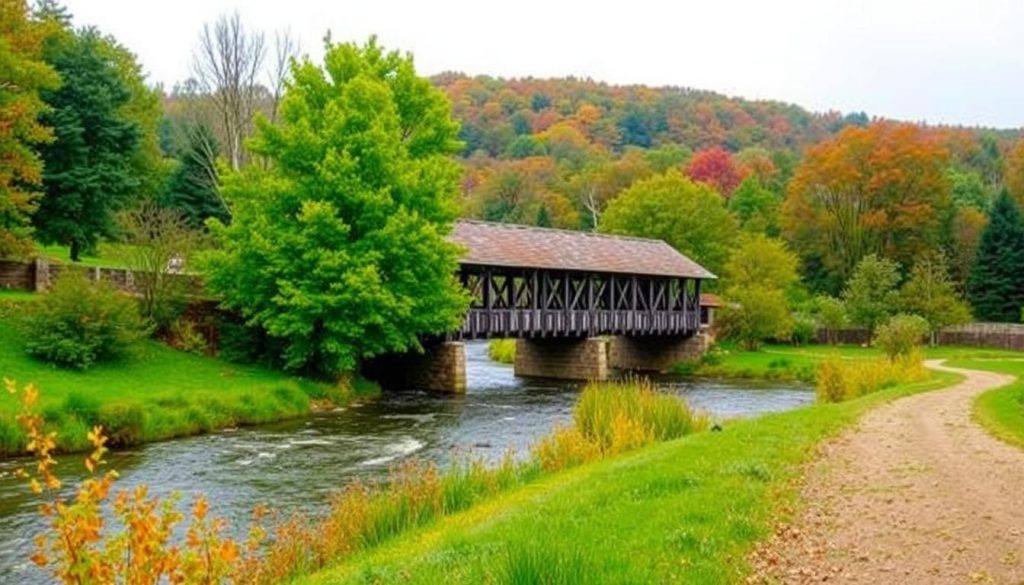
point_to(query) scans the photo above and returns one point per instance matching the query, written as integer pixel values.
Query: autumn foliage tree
(876, 190)
(23, 73)
(717, 168)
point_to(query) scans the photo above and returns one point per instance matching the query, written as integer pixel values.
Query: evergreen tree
(88, 173)
(192, 189)
(995, 286)
(24, 74)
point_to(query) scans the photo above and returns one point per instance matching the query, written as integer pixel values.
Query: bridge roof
(517, 246)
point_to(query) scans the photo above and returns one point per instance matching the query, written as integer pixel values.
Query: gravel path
(915, 493)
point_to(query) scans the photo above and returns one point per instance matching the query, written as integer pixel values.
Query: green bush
(805, 329)
(184, 336)
(901, 335)
(123, 424)
(78, 324)
(502, 350)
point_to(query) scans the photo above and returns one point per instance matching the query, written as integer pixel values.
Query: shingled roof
(500, 244)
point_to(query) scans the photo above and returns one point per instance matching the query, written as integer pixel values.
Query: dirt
(917, 492)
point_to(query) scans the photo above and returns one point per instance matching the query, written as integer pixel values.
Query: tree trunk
(76, 250)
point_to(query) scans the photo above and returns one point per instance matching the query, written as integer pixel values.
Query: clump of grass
(616, 417)
(502, 350)
(529, 563)
(839, 380)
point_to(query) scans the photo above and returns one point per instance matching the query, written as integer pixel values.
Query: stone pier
(562, 358)
(655, 353)
(441, 367)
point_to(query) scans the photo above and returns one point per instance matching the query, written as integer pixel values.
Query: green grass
(107, 255)
(16, 295)
(158, 394)
(788, 362)
(1000, 411)
(684, 511)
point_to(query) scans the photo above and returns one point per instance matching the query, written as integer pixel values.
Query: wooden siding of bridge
(538, 303)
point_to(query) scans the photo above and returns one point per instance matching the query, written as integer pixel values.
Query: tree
(876, 190)
(870, 295)
(339, 248)
(760, 261)
(1013, 172)
(995, 287)
(23, 75)
(690, 217)
(756, 207)
(715, 167)
(757, 276)
(831, 313)
(227, 65)
(901, 335)
(193, 189)
(161, 244)
(929, 293)
(88, 173)
(965, 236)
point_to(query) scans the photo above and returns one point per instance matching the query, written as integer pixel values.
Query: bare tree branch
(226, 64)
(286, 49)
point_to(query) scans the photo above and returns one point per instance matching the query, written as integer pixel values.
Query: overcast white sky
(941, 61)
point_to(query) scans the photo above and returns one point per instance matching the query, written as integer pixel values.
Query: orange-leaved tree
(882, 190)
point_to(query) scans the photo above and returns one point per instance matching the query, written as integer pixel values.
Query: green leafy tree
(995, 286)
(901, 335)
(24, 75)
(89, 171)
(756, 207)
(831, 314)
(929, 292)
(757, 276)
(339, 248)
(690, 217)
(870, 295)
(192, 189)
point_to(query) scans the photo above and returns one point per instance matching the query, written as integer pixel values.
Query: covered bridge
(578, 304)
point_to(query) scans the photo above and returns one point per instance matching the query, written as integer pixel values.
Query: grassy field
(691, 509)
(1001, 411)
(158, 394)
(788, 362)
(107, 255)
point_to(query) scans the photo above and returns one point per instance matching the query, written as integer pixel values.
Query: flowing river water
(295, 465)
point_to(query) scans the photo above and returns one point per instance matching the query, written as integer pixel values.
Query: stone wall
(20, 275)
(562, 358)
(441, 367)
(655, 354)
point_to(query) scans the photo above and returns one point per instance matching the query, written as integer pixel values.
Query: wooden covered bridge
(579, 305)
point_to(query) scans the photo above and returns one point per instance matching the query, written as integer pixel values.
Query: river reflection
(294, 465)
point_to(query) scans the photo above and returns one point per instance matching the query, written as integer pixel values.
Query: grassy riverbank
(685, 511)
(158, 394)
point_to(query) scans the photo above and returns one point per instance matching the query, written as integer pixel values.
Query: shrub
(78, 323)
(838, 380)
(183, 336)
(805, 329)
(901, 335)
(502, 350)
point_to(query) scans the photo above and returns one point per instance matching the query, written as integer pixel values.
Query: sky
(938, 61)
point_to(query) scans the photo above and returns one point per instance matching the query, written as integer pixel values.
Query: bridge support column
(441, 367)
(655, 353)
(562, 358)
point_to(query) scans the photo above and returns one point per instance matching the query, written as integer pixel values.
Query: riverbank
(159, 393)
(704, 500)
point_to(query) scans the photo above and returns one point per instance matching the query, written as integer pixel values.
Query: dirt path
(915, 493)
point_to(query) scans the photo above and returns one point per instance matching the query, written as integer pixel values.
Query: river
(294, 465)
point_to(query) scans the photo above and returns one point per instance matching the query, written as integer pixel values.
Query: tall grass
(502, 350)
(838, 380)
(615, 417)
